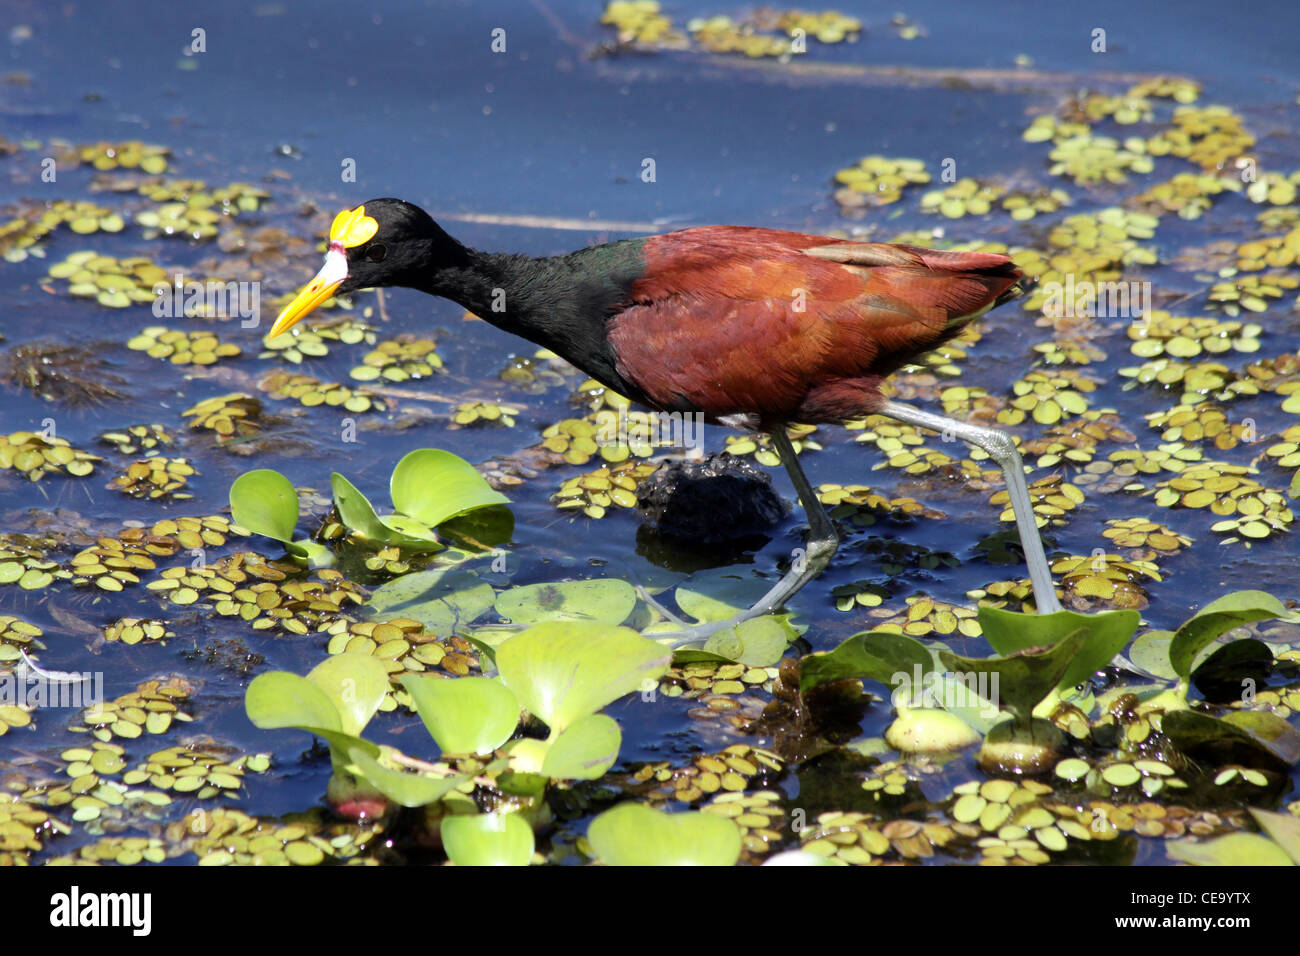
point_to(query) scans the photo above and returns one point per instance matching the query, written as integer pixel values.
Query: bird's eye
(376, 252)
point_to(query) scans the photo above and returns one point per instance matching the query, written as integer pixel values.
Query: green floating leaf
(1023, 679)
(1215, 619)
(358, 515)
(279, 699)
(434, 486)
(1235, 849)
(265, 502)
(605, 601)
(1106, 635)
(871, 655)
(355, 684)
(564, 671)
(444, 600)
(468, 715)
(585, 750)
(1150, 651)
(487, 839)
(404, 789)
(718, 594)
(633, 834)
(1282, 828)
(758, 642)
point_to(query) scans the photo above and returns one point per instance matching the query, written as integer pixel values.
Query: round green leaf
(633, 834)
(584, 751)
(264, 501)
(487, 839)
(434, 485)
(563, 671)
(468, 715)
(606, 601)
(405, 789)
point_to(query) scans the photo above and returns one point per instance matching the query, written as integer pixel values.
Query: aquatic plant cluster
(1005, 738)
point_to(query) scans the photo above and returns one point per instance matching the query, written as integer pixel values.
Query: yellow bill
(319, 290)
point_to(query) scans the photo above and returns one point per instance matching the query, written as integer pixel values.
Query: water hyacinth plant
(429, 488)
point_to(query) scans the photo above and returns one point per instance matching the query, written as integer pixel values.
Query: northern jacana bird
(752, 327)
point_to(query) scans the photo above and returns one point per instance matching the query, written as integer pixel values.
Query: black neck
(561, 303)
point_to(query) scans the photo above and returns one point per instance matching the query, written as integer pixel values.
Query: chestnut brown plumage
(751, 327)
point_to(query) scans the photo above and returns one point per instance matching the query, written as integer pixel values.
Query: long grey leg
(1002, 450)
(822, 543)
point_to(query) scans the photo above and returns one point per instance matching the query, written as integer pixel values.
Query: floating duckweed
(136, 630)
(574, 439)
(19, 236)
(235, 414)
(222, 836)
(877, 181)
(1074, 441)
(1073, 352)
(1048, 396)
(1279, 218)
(124, 851)
(388, 561)
(1048, 127)
(14, 715)
(966, 401)
(965, 197)
(179, 219)
(131, 154)
(1203, 422)
(295, 346)
(23, 564)
(137, 438)
(155, 478)
(151, 708)
(399, 359)
(1268, 252)
(1212, 137)
(596, 397)
(33, 454)
(904, 448)
(734, 769)
(1276, 189)
(311, 392)
(1200, 381)
(23, 827)
(759, 816)
(1251, 292)
(112, 563)
(1091, 159)
(484, 413)
(1052, 499)
(1159, 333)
(1105, 577)
(926, 617)
(1180, 89)
(760, 445)
(1072, 770)
(1026, 205)
(604, 488)
(402, 645)
(190, 770)
(850, 597)
(1188, 194)
(697, 680)
(298, 607)
(116, 283)
(1249, 509)
(640, 23)
(1143, 533)
(863, 507)
(1121, 774)
(182, 348)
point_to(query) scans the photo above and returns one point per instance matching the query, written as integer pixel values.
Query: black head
(382, 242)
